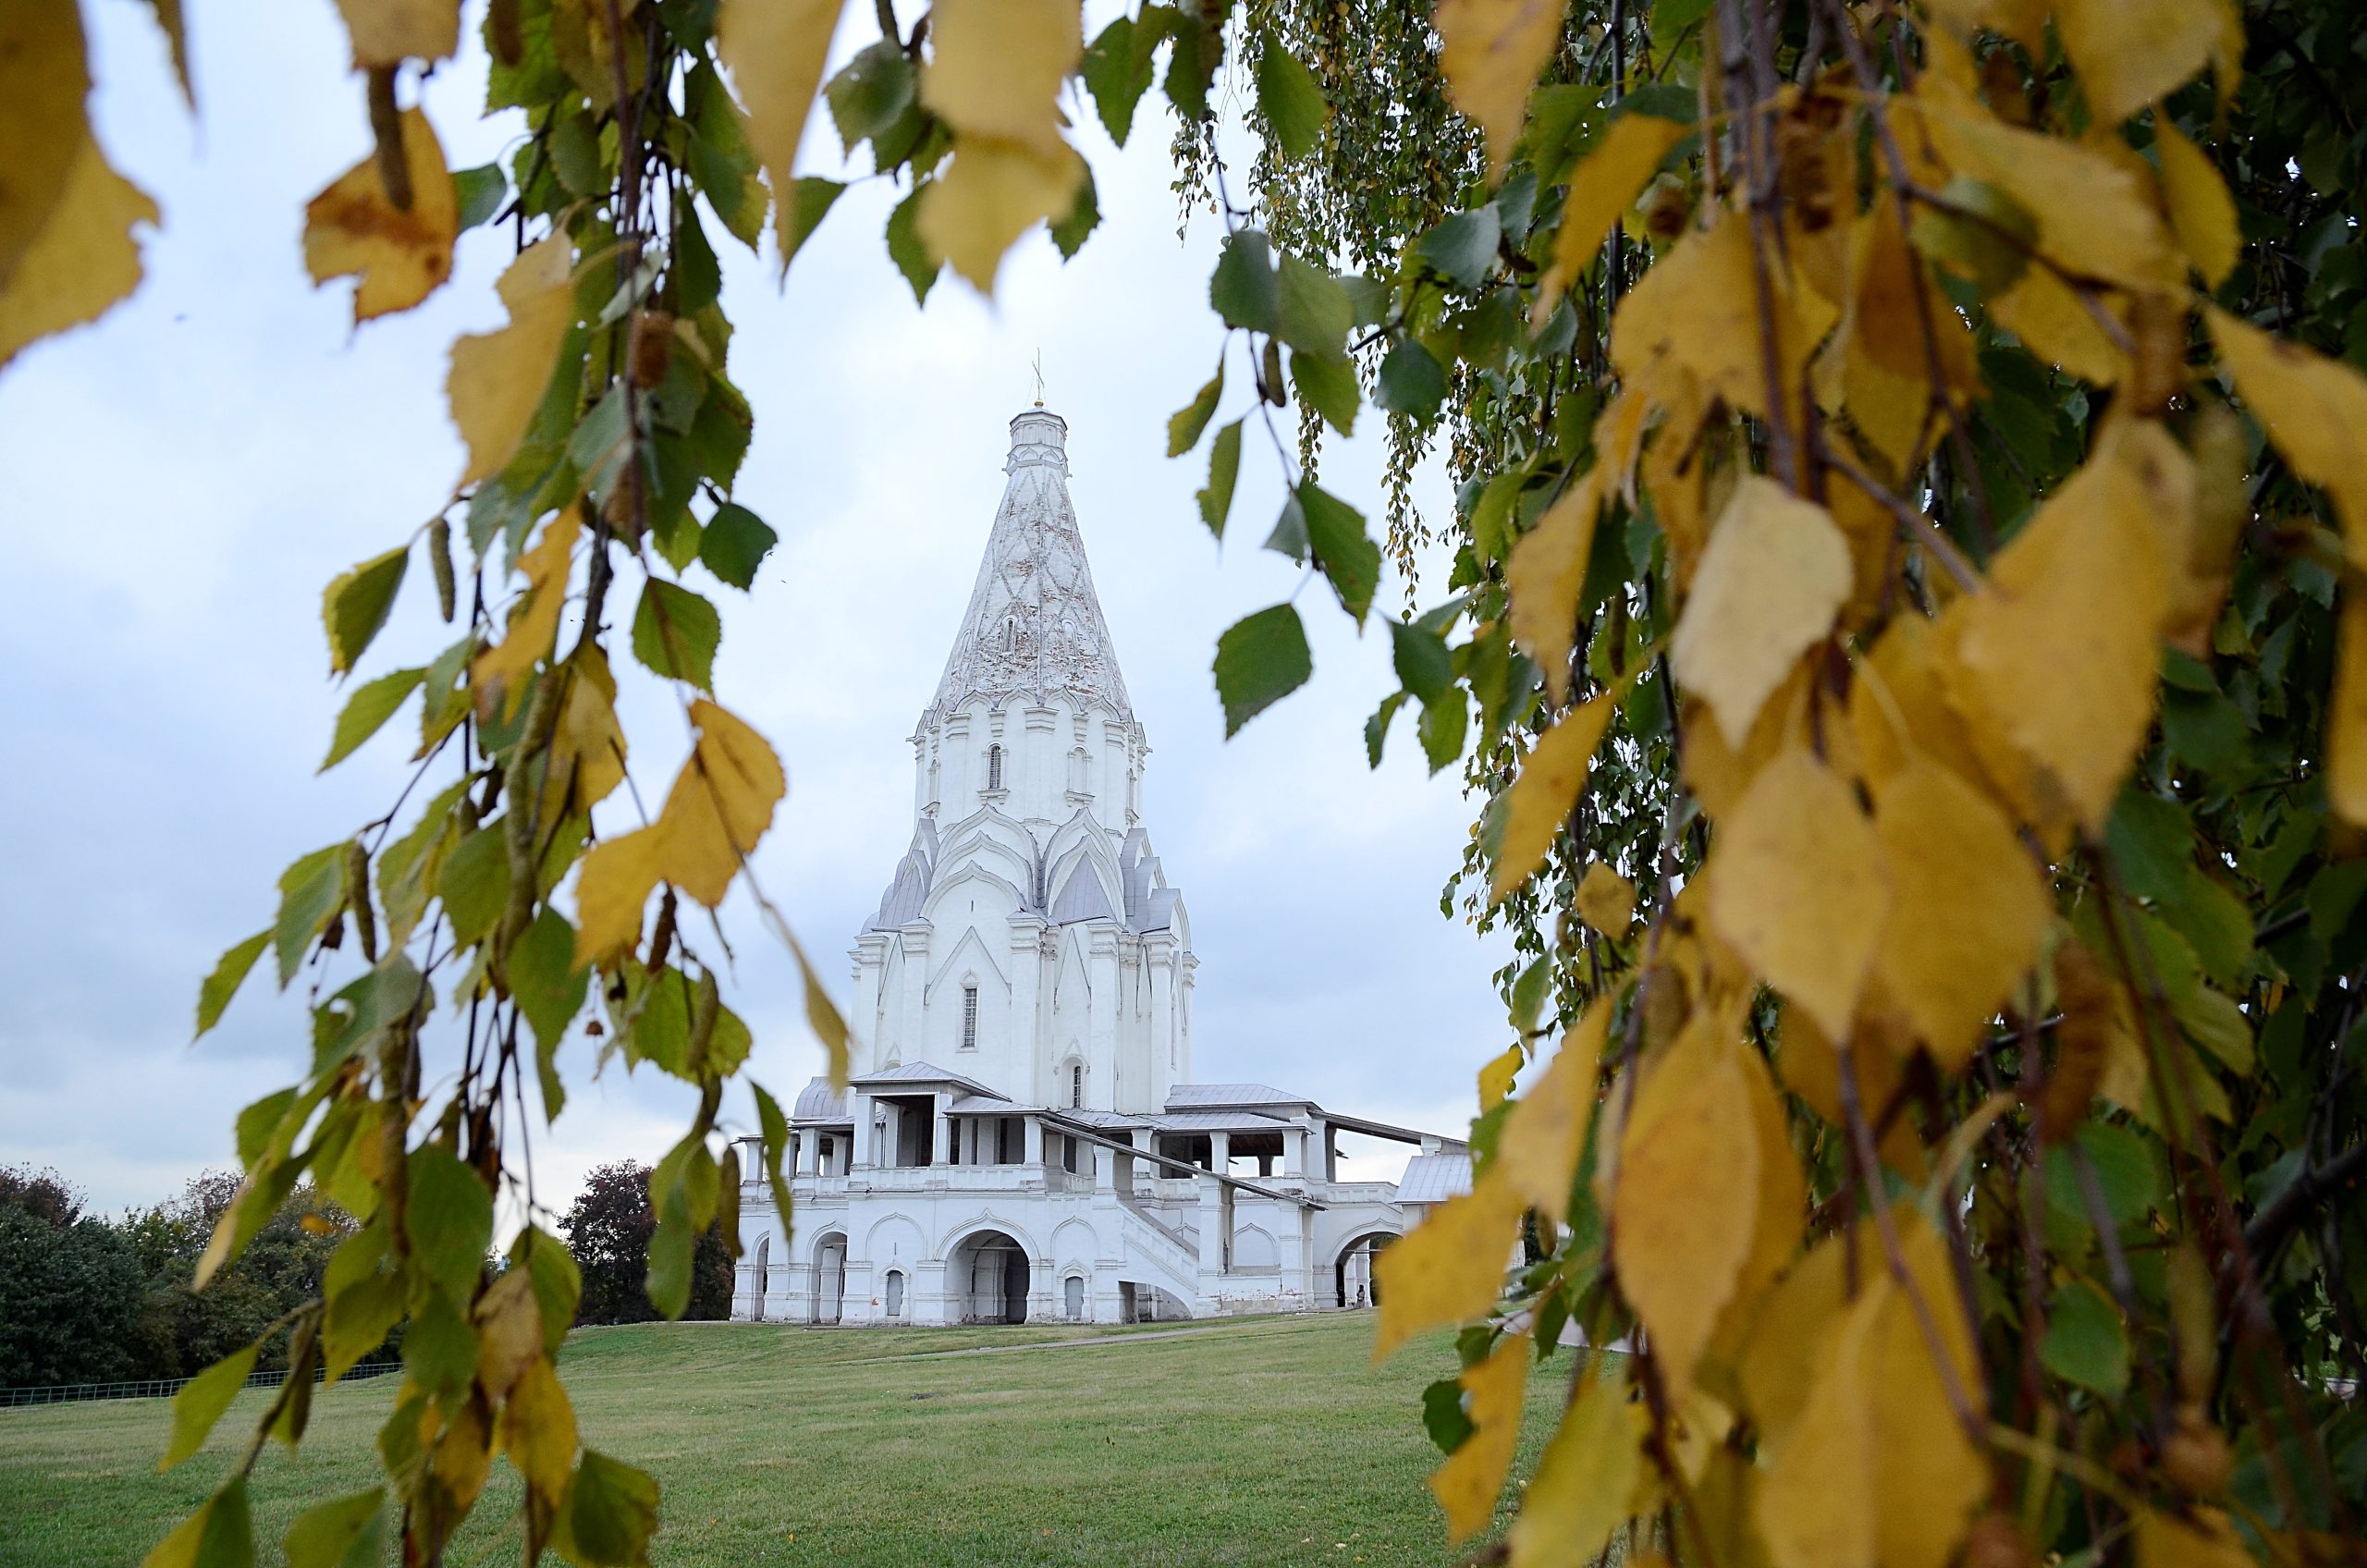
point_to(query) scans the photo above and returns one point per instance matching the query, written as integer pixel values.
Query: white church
(1023, 1139)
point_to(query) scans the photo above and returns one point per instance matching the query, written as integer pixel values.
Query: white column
(1214, 1217)
(1294, 1153)
(1101, 1051)
(941, 1134)
(861, 1158)
(1219, 1151)
(1034, 1151)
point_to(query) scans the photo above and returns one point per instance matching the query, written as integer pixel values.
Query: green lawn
(1262, 1440)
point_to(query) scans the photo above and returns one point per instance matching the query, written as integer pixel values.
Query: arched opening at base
(1353, 1279)
(987, 1276)
(829, 1279)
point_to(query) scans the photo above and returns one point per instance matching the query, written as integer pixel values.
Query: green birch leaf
(1084, 217)
(611, 1513)
(1423, 664)
(221, 1534)
(473, 882)
(1260, 659)
(549, 990)
(1183, 429)
(1444, 723)
(1462, 247)
(735, 544)
(481, 191)
(1117, 70)
(372, 703)
(309, 892)
(356, 603)
(871, 93)
(1335, 533)
(675, 632)
(1376, 726)
(2086, 1343)
(1224, 470)
(810, 201)
(1312, 310)
(1329, 387)
(1243, 289)
(202, 1402)
(1291, 99)
(229, 974)
(448, 1217)
(905, 248)
(1412, 381)
(345, 1532)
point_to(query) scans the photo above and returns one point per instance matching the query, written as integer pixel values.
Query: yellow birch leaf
(1491, 52)
(2346, 709)
(2056, 662)
(2201, 213)
(775, 50)
(1718, 774)
(2047, 314)
(1696, 312)
(1587, 1481)
(2129, 53)
(83, 259)
(1606, 901)
(2206, 1541)
(1541, 798)
(1496, 1077)
(1885, 320)
(386, 32)
(720, 806)
(1816, 1500)
(2313, 408)
(991, 195)
(1775, 573)
(1796, 886)
(537, 1429)
(1602, 187)
(2096, 218)
(1783, 1189)
(1968, 909)
(1810, 1066)
(463, 1454)
(1448, 1268)
(1467, 1483)
(510, 1331)
(353, 229)
(499, 378)
(1619, 441)
(1547, 1130)
(619, 876)
(1684, 1203)
(1783, 1350)
(995, 68)
(45, 76)
(1543, 574)
(1927, 1474)
(1898, 704)
(1873, 533)
(501, 673)
(587, 748)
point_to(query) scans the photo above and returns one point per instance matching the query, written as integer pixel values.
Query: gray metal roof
(919, 1072)
(1218, 1121)
(987, 1104)
(819, 1102)
(1102, 1119)
(1434, 1177)
(1202, 1096)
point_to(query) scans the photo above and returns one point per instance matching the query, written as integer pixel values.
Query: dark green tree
(608, 1230)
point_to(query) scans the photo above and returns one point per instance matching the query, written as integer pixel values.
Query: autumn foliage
(1905, 631)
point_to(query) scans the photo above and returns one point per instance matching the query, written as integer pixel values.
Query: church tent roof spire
(1034, 625)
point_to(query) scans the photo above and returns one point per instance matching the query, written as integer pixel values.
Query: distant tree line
(86, 1299)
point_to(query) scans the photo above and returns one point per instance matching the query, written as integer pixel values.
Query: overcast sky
(185, 475)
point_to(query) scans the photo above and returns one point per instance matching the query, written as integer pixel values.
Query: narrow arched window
(1076, 1087)
(994, 767)
(969, 1018)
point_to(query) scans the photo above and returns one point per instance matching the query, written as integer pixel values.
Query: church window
(1076, 1087)
(994, 767)
(969, 1018)
(895, 1292)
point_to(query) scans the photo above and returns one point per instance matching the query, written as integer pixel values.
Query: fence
(164, 1388)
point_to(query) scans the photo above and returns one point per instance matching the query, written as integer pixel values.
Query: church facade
(1023, 1139)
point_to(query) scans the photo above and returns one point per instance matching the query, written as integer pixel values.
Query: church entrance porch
(986, 1279)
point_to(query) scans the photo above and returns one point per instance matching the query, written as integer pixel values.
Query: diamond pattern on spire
(1033, 626)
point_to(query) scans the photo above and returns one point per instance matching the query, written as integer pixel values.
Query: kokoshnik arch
(1023, 1140)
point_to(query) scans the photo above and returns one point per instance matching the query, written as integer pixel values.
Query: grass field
(1261, 1440)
